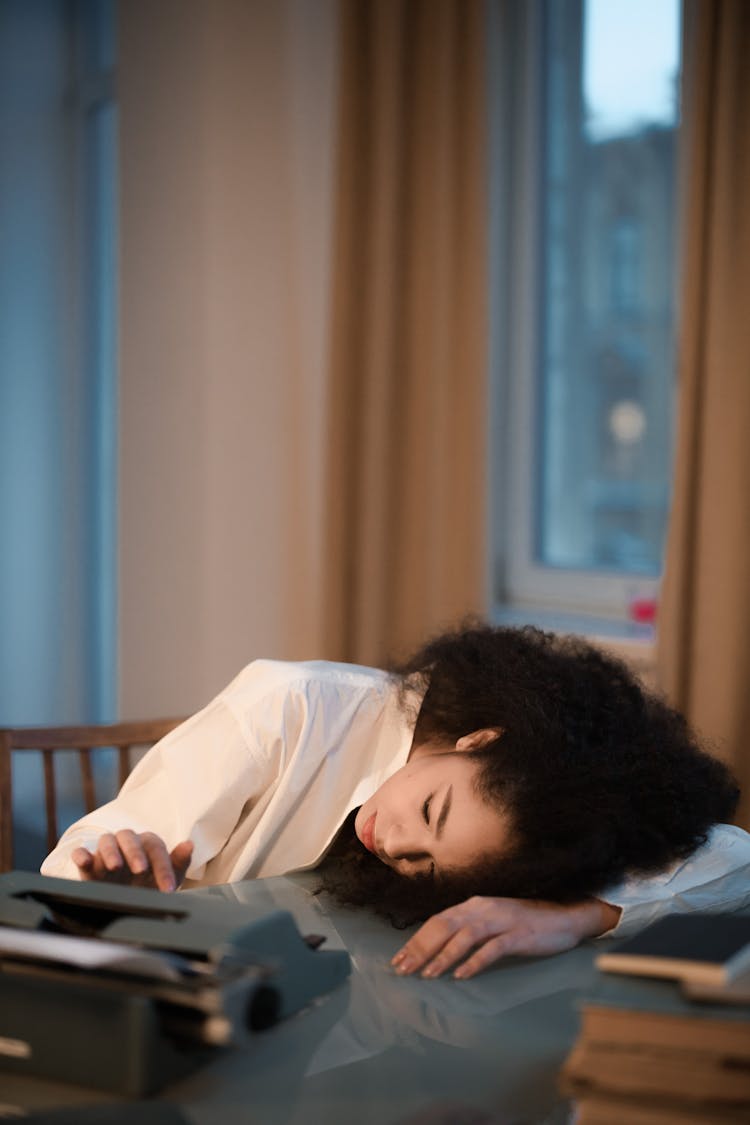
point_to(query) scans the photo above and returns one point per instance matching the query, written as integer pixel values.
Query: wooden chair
(48, 741)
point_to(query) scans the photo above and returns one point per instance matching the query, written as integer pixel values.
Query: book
(646, 1011)
(735, 991)
(643, 1070)
(642, 1038)
(708, 948)
(622, 1109)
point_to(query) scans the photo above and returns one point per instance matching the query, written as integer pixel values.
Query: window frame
(521, 587)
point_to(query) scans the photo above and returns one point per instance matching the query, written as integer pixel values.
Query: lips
(367, 835)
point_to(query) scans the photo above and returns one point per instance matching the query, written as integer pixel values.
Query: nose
(403, 841)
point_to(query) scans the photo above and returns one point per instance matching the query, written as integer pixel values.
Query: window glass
(605, 283)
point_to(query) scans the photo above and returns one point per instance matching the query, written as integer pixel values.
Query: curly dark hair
(600, 778)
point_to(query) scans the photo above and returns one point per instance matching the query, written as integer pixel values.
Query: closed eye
(426, 809)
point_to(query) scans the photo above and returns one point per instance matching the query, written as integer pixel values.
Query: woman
(520, 771)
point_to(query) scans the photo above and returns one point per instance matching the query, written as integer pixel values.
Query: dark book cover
(713, 948)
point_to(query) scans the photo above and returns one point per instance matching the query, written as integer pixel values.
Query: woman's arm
(175, 812)
(482, 930)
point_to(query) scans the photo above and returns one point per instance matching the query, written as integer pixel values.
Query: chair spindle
(50, 798)
(87, 780)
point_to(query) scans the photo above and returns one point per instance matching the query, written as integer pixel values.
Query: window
(584, 97)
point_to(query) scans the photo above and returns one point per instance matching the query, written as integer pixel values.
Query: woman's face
(428, 817)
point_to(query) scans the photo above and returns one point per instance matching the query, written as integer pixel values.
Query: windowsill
(627, 640)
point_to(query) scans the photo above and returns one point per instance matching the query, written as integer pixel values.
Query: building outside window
(584, 180)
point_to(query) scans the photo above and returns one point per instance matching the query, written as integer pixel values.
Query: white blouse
(263, 777)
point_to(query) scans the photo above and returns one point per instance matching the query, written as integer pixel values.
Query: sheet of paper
(90, 954)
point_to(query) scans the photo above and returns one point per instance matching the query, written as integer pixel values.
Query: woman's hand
(490, 928)
(140, 860)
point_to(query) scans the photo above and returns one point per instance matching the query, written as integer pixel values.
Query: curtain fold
(704, 630)
(405, 528)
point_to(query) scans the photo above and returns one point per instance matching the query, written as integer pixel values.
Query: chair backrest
(48, 741)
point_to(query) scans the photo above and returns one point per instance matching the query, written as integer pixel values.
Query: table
(382, 1049)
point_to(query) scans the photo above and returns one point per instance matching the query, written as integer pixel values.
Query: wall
(227, 145)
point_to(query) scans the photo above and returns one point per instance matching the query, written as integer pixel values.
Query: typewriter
(126, 989)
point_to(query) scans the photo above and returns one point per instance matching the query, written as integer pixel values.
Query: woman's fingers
(427, 941)
(496, 927)
(109, 852)
(467, 920)
(84, 861)
(105, 864)
(159, 862)
(485, 956)
(180, 857)
(454, 950)
(138, 859)
(133, 851)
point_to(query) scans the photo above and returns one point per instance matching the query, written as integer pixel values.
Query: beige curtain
(704, 632)
(406, 522)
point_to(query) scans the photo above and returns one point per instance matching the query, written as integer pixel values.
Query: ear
(478, 739)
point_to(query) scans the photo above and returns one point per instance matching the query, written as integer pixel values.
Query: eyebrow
(444, 812)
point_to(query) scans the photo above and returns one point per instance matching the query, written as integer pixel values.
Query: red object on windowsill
(643, 610)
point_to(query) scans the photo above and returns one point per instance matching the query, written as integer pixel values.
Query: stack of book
(673, 1050)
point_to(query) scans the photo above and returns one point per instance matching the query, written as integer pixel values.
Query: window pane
(607, 278)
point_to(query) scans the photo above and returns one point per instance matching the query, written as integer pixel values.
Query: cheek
(392, 792)
(373, 804)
